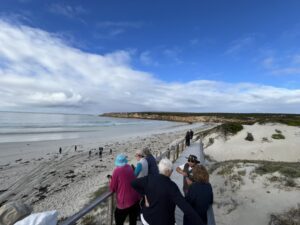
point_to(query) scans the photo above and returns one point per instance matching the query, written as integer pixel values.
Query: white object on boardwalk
(44, 218)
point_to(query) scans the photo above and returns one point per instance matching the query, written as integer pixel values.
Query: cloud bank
(41, 72)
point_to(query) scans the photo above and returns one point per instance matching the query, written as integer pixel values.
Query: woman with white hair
(162, 195)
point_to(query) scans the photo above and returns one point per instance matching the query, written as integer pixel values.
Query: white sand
(236, 147)
(35, 173)
(254, 198)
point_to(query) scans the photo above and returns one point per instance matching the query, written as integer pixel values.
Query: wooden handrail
(73, 219)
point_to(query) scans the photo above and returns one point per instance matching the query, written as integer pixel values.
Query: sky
(96, 56)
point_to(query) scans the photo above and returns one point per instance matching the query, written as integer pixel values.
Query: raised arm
(113, 185)
(179, 169)
(138, 169)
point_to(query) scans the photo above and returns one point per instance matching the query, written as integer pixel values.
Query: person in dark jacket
(152, 165)
(187, 138)
(161, 196)
(200, 194)
(191, 134)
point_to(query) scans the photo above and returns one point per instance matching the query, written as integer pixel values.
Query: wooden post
(177, 151)
(168, 154)
(110, 210)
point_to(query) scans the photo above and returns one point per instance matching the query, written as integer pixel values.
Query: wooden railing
(172, 153)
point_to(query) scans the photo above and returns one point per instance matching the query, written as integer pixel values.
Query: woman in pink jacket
(127, 197)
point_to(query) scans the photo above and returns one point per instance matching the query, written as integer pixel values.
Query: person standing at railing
(161, 197)
(127, 197)
(141, 168)
(200, 194)
(152, 165)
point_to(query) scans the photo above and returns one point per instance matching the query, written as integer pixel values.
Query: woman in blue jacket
(200, 194)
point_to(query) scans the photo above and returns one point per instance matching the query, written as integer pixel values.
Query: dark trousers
(121, 214)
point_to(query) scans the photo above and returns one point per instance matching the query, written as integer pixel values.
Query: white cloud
(146, 59)
(67, 10)
(40, 72)
(111, 29)
(240, 45)
(283, 65)
(120, 24)
(173, 54)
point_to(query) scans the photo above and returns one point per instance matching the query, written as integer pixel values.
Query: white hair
(165, 166)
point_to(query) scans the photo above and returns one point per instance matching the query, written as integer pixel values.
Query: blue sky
(100, 56)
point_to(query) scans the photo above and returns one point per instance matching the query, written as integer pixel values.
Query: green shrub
(278, 136)
(249, 137)
(242, 172)
(291, 217)
(227, 169)
(290, 182)
(290, 170)
(231, 128)
(89, 220)
(100, 191)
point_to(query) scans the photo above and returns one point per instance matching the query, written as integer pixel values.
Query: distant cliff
(178, 117)
(244, 118)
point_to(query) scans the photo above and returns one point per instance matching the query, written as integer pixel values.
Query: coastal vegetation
(290, 217)
(99, 192)
(249, 137)
(287, 169)
(243, 118)
(231, 128)
(278, 136)
(89, 220)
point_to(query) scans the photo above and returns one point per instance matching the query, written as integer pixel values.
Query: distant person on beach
(161, 195)
(186, 171)
(127, 197)
(152, 165)
(141, 168)
(90, 153)
(100, 152)
(60, 150)
(75, 148)
(200, 194)
(110, 151)
(187, 138)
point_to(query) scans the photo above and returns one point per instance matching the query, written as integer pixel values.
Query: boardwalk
(194, 149)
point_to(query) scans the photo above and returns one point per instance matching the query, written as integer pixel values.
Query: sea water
(25, 127)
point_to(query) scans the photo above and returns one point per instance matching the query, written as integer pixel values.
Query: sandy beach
(37, 174)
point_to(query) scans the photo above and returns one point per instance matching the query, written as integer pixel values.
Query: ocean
(23, 127)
